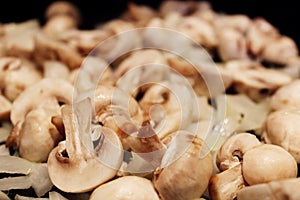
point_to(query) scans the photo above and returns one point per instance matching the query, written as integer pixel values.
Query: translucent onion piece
(21, 182)
(56, 196)
(40, 180)
(3, 196)
(15, 165)
(19, 197)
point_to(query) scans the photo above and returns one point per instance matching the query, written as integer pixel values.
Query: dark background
(284, 14)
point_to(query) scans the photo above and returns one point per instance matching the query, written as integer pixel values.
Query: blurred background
(284, 15)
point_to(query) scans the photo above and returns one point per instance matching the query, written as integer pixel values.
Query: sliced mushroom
(12, 69)
(283, 189)
(226, 185)
(267, 162)
(286, 97)
(185, 170)
(127, 187)
(50, 49)
(31, 116)
(234, 149)
(254, 80)
(77, 165)
(55, 69)
(281, 128)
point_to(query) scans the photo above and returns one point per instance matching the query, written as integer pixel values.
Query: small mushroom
(283, 189)
(281, 128)
(55, 69)
(12, 69)
(80, 164)
(140, 14)
(286, 97)
(280, 50)
(127, 187)
(254, 80)
(185, 170)
(232, 44)
(267, 162)
(233, 150)
(225, 185)
(61, 16)
(31, 116)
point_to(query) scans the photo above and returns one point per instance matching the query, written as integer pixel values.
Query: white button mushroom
(75, 165)
(184, 175)
(287, 97)
(266, 163)
(282, 128)
(126, 188)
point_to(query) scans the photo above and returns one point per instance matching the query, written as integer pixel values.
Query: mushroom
(186, 168)
(260, 32)
(18, 39)
(199, 30)
(4, 108)
(267, 162)
(232, 44)
(238, 22)
(47, 48)
(55, 69)
(281, 128)
(183, 8)
(31, 116)
(286, 97)
(12, 69)
(254, 80)
(280, 50)
(283, 189)
(80, 164)
(225, 185)
(140, 14)
(234, 149)
(126, 188)
(61, 16)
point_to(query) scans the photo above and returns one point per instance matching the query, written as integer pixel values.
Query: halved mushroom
(233, 150)
(12, 69)
(286, 97)
(186, 169)
(126, 188)
(31, 116)
(80, 164)
(225, 185)
(254, 80)
(267, 162)
(283, 189)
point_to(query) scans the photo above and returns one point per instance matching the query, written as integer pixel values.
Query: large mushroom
(80, 163)
(31, 116)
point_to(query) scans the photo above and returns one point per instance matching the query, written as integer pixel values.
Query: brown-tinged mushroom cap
(75, 165)
(126, 188)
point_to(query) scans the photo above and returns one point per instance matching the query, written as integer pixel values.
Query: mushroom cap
(282, 128)
(48, 88)
(267, 163)
(79, 174)
(126, 188)
(287, 97)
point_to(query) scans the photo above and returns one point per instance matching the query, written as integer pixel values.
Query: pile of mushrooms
(98, 114)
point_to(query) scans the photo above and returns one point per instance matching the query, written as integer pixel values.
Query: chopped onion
(19, 197)
(21, 182)
(3, 196)
(14, 165)
(56, 196)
